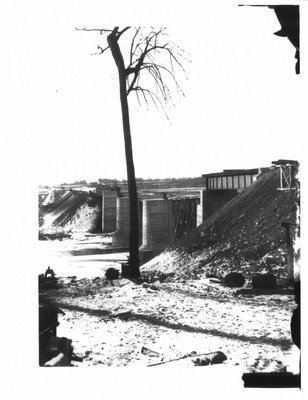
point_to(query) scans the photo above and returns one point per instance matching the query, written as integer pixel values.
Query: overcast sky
(244, 104)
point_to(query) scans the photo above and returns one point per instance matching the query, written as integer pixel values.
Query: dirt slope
(70, 211)
(245, 235)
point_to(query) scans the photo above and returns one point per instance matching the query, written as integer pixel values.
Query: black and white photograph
(153, 198)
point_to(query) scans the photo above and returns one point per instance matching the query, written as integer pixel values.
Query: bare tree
(144, 54)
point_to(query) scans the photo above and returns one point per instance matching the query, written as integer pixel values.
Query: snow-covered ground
(82, 256)
(110, 322)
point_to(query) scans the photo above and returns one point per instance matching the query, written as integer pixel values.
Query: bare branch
(153, 97)
(158, 66)
(145, 55)
(101, 30)
(137, 94)
(132, 45)
(101, 50)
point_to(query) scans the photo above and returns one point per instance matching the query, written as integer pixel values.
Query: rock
(216, 357)
(148, 352)
(123, 315)
(264, 281)
(154, 287)
(59, 361)
(201, 361)
(210, 275)
(125, 282)
(267, 366)
(112, 273)
(234, 279)
(272, 259)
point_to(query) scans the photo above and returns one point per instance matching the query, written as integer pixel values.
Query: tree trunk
(134, 271)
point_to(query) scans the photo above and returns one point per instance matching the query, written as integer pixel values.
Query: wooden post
(290, 232)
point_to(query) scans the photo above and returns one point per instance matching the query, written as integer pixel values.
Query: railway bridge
(166, 216)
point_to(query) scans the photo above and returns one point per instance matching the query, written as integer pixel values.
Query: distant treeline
(186, 181)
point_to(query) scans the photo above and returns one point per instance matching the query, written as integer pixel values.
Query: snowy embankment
(69, 212)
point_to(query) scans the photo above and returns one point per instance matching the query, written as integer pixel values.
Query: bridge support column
(109, 211)
(120, 238)
(200, 209)
(157, 228)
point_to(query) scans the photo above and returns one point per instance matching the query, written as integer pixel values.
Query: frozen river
(83, 257)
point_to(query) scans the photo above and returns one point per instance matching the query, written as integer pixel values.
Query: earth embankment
(246, 235)
(66, 211)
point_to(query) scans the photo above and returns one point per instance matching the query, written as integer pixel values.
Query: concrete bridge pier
(157, 228)
(120, 237)
(109, 211)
